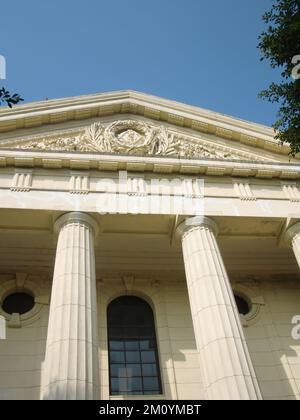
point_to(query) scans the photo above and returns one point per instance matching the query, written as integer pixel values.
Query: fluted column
(293, 236)
(71, 363)
(225, 361)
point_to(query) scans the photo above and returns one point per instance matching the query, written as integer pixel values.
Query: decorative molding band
(243, 190)
(193, 188)
(22, 180)
(137, 187)
(107, 162)
(79, 183)
(291, 191)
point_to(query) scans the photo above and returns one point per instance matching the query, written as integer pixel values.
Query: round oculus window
(18, 302)
(242, 305)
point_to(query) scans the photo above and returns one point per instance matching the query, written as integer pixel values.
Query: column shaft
(224, 357)
(292, 237)
(296, 247)
(71, 364)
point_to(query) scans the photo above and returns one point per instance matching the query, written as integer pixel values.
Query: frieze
(130, 137)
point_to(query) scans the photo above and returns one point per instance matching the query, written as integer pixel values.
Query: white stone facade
(127, 194)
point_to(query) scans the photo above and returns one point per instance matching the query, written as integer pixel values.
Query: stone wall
(275, 354)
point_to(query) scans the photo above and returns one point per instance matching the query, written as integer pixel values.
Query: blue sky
(200, 52)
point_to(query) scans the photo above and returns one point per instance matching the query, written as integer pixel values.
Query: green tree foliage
(8, 98)
(280, 44)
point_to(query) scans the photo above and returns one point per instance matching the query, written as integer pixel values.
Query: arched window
(133, 359)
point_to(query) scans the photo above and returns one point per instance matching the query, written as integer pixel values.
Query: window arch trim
(132, 347)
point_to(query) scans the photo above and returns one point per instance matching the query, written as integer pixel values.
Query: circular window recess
(18, 302)
(242, 305)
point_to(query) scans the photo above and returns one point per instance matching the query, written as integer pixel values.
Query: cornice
(129, 102)
(117, 162)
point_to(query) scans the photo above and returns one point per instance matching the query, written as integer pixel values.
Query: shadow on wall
(21, 358)
(274, 353)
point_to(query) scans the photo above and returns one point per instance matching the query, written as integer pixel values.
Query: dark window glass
(148, 356)
(117, 356)
(117, 371)
(133, 357)
(242, 305)
(147, 345)
(114, 384)
(116, 345)
(150, 383)
(18, 303)
(131, 345)
(133, 360)
(135, 384)
(133, 370)
(149, 369)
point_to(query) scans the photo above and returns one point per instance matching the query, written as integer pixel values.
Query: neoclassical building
(148, 250)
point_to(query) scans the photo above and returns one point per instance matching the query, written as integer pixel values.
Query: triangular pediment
(137, 138)
(129, 123)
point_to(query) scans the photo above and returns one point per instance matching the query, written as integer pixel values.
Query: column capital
(292, 231)
(76, 217)
(196, 222)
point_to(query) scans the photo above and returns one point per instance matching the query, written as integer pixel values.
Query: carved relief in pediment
(135, 138)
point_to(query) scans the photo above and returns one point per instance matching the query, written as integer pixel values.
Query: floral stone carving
(132, 137)
(135, 138)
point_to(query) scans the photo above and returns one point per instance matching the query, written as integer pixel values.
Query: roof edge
(40, 113)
